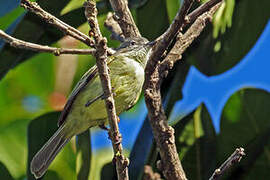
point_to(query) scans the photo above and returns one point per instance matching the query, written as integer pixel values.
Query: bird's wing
(86, 78)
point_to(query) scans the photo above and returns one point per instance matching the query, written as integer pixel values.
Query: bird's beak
(151, 43)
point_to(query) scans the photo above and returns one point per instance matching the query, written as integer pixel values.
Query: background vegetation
(34, 87)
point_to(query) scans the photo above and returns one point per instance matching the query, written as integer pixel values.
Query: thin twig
(231, 161)
(124, 18)
(39, 48)
(202, 9)
(183, 41)
(114, 27)
(67, 29)
(163, 133)
(101, 56)
(165, 39)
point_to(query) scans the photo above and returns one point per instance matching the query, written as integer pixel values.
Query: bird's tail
(47, 153)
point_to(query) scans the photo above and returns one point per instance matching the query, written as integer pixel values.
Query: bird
(85, 107)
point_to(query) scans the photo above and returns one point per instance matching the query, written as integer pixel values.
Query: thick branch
(67, 29)
(101, 56)
(231, 161)
(163, 133)
(124, 18)
(39, 48)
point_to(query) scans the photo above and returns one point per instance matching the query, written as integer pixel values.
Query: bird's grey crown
(133, 42)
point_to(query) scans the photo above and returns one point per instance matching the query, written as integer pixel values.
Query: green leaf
(172, 8)
(32, 29)
(136, 3)
(247, 24)
(152, 27)
(5, 173)
(251, 130)
(51, 175)
(13, 147)
(196, 144)
(108, 171)
(39, 131)
(7, 20)
(83, 155)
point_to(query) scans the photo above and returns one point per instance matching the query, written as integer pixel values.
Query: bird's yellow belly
(126, 86)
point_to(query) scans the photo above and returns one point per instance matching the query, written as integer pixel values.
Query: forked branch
(124, 18)
(156, 70)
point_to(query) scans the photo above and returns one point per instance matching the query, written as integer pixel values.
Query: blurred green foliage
(28, 79)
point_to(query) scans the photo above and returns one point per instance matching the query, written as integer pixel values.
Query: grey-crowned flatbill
(85, 107)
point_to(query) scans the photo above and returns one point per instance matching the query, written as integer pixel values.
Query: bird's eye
(132, 43)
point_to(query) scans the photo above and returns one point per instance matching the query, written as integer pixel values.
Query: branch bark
(156, 71)
(114, 27)
(50, 19)
(39, 48)
(101, 56)
(183, 41)
(231, 161)
(124, 18)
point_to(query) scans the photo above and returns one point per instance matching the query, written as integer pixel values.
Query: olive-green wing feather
(86, 78)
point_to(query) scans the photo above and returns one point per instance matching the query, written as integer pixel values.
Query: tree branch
(163, 133)
(180, 21)
(50, 19)
(184, 41)
(165, 39)
(114, 27)
(202, 9)
(231, 161)
(39, 48)
(124, 18)
(101, 56)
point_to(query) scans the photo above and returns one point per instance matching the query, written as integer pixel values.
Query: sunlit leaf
(172, 8)
(13, 147)
(247, 24)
